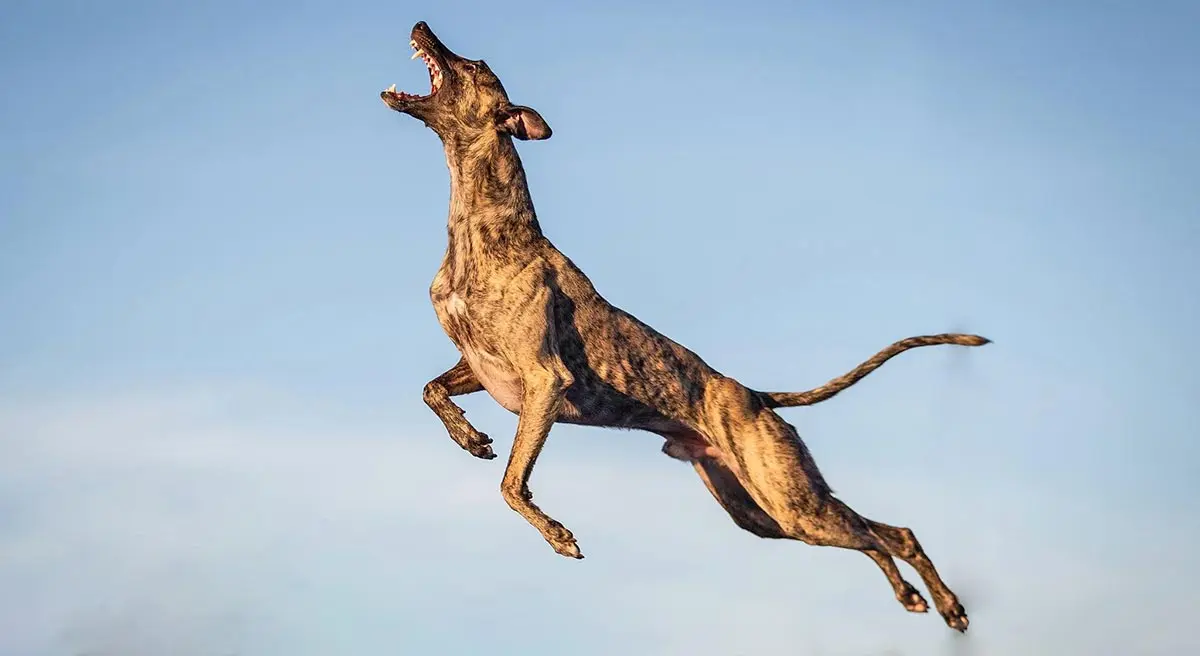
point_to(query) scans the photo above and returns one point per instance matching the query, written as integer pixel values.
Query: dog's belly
(497, 377)
(494, 372)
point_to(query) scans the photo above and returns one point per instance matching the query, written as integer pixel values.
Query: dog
(536, 335)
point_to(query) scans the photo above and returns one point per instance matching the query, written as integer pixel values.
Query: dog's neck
(491, 210)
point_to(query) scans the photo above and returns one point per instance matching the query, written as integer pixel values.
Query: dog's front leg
(542, 400)
(531, 344)
(457, 381)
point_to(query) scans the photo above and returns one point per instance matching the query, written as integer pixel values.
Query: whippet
(533, 331)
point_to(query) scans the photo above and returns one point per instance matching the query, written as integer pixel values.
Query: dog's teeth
(392, 89)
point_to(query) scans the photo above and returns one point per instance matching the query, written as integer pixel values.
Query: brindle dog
(535, 333)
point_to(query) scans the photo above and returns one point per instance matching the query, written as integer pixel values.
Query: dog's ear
(522, 122)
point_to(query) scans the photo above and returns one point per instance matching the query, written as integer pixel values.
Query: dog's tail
(831, 389)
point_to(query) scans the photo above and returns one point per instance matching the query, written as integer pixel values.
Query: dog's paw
(482, 451)
(912, 601)
(956, 617)
(478, 445)
(563, 541)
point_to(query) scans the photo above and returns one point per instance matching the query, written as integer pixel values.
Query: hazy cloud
(236, 521)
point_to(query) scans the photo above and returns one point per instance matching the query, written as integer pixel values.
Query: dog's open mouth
(435, 75)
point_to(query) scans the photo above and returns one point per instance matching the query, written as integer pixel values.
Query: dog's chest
(494, 372)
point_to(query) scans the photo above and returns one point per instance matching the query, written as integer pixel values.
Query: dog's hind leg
(903, 544)
(736, 501)
(747, 514)
(457, 381)
(906, 594)
(777, 472)
(769, 459)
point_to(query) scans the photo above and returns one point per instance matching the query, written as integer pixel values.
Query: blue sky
(215, 246)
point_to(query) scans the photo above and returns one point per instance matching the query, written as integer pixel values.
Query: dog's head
(466, 100)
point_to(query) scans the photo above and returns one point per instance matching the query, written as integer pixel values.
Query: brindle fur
(535, 333)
